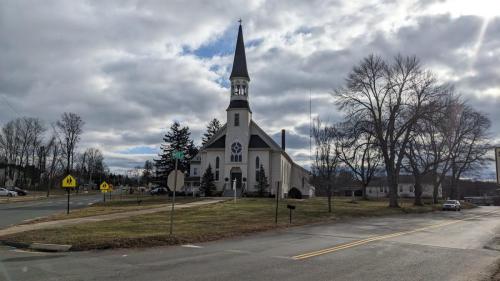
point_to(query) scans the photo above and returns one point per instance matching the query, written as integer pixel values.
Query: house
(378, 188)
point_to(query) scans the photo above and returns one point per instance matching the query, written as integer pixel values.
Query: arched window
(257, 162)
(217, 165)
(236, 151)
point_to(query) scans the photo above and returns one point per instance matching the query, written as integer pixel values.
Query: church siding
(264, 161)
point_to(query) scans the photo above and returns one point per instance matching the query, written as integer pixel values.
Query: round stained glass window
(236, 148)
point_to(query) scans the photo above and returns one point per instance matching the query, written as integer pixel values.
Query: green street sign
(178, 155)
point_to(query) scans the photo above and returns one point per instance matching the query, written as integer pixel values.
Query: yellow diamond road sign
(69, 182)
(104, 186)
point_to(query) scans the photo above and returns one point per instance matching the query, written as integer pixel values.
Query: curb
(37, 246)
(493, 244)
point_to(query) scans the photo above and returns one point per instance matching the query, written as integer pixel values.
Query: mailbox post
(290, 208)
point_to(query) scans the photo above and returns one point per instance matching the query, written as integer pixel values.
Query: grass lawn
(205, 223)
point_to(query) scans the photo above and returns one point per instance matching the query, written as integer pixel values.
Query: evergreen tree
(212, 128)
(207, 182)
(262, 183)
(177, 139)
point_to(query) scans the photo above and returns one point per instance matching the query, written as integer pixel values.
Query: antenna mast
(310, 129)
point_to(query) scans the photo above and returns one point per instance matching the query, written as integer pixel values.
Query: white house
(236, 152)
(406, 189)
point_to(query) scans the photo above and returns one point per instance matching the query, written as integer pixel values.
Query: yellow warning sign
(104, 187)
(69, 182)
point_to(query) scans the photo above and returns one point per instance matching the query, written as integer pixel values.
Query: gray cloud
(128, 68)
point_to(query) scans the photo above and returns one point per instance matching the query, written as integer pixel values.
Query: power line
(10, 106)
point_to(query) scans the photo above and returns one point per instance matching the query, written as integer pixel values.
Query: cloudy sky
(130, 68)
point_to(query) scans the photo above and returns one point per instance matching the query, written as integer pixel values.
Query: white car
(451, 205)
(6, 192)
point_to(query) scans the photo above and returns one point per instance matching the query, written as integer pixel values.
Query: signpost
(178, 181)
(234, 188)
(497, 161)
(290, 207)
(68, 182)
(277, 202)
(104, 187)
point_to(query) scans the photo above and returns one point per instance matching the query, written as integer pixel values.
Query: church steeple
(240, 61)
(239, 76)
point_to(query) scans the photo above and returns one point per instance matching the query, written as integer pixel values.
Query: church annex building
(241, 147)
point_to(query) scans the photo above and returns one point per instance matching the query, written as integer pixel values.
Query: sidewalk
(58, 223)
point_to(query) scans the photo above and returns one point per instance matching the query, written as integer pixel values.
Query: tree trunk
(363, 189)
(418, 192)
(393, 187)
(329, 194)
(435, 191)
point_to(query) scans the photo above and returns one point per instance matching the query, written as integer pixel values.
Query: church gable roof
(257, 142)
(257, 131)
(219, 143)
(217, 138)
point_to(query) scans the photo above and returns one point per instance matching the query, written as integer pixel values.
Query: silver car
(6, 192)
(451, 205)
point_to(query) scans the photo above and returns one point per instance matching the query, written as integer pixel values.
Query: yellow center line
(380, 237)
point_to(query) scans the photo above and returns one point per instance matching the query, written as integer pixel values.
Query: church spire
(240, 61)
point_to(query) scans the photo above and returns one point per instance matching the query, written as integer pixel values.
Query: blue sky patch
(140, 150)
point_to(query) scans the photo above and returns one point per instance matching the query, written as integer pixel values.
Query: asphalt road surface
(437, 246)
(15, 213)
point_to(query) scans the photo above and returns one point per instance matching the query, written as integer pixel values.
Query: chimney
(283, 139)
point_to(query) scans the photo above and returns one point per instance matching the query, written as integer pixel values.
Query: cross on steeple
(240, 21)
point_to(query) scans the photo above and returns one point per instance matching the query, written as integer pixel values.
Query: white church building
(238, 150)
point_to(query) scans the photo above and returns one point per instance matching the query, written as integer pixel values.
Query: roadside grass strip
(381, 237)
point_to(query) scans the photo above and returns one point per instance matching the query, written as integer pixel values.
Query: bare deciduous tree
(390, 99)
(358, 152)
(326, 162)
(70, 128)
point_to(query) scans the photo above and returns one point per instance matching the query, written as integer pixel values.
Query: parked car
(159, 191)
(20, 192)
(451, 205)
(6, 192)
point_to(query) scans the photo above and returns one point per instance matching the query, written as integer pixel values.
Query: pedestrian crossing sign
(104, 187)
(69, 182)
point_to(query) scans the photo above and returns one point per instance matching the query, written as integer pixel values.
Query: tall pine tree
(177, 139)
(207, 182)
(262, 184)
(212, 128)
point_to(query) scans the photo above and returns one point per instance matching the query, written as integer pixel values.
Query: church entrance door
(236, 174)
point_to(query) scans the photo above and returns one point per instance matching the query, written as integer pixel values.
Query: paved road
(439, 246)
(14, 213)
